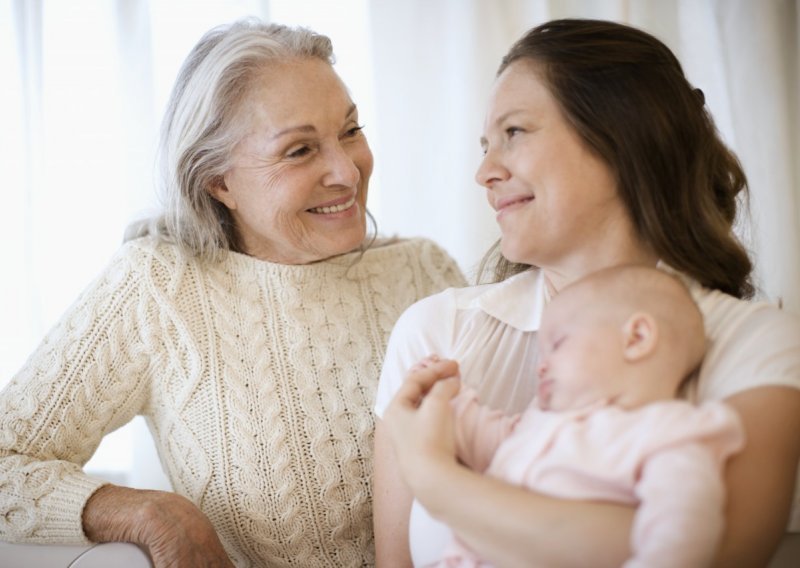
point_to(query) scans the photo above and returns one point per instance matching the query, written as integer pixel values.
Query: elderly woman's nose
(341, 168)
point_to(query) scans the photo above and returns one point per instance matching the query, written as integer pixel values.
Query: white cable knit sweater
(257, 381)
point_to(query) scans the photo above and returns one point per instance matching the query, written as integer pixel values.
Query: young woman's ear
(219, 191)
(640, 335)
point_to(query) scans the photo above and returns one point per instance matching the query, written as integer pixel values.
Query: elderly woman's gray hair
(199, 129)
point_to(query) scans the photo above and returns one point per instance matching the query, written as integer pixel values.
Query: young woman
(598, 152)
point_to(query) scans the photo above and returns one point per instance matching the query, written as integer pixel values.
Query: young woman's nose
(491, 170)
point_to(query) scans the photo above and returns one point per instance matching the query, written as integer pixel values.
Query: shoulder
(430, 311)
(751, 344)
(130, 261)
(156, 264)
(145, 250)
(427, 325)
(445, 304)
(725, 315)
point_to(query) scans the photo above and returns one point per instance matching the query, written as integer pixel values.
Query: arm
(419, 332)
(391, 505)
(479, 430)
(511, 526)
(169, 526)
(505, 524)
(83, 381)
(393, 498)
(753, 364)
(760, 480)
(89, 377)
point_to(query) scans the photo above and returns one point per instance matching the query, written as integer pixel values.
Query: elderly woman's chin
(345, 240)
(333, 234)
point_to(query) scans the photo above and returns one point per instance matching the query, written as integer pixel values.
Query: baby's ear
(639, 336)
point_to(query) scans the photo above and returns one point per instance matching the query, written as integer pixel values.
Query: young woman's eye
(557, 343)
(512, 131)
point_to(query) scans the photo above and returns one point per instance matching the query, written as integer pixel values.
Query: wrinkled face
(581, 356)
(554, 198)
(297, 186)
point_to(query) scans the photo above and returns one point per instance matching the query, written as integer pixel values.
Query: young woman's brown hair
(626, 95)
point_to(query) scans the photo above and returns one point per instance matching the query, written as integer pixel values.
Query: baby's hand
(425, 363)
(423, 375)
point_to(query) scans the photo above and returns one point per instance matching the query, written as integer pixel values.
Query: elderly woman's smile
(344, 204)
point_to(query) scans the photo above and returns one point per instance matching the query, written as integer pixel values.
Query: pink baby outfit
(666, 457)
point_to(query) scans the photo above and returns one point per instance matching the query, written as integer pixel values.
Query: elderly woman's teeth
(335, 208)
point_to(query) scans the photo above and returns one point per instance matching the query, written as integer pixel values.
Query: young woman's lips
(507, 204)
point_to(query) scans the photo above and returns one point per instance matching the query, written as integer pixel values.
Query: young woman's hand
(171, 528)
(419, 420)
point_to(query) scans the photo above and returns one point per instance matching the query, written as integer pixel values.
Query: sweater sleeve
(84, 381)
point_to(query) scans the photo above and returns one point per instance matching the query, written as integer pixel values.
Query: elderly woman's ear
(219, 191)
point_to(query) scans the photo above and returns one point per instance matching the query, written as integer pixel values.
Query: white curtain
(434, 63)
(84, 83)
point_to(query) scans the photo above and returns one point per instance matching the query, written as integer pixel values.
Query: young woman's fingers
(444, 390)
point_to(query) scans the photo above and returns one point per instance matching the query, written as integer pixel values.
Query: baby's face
(580, 357)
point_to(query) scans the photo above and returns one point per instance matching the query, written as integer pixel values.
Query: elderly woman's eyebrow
(305, 128)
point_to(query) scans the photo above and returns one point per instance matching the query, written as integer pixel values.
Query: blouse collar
(517, 301)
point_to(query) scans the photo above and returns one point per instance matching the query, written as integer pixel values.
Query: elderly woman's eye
(299, 152)
(350, 132)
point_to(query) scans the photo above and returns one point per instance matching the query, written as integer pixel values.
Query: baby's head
(628, 334)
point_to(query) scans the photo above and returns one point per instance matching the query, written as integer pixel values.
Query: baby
(614, 349)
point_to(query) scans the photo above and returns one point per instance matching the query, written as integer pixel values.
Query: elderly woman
(247, 324)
